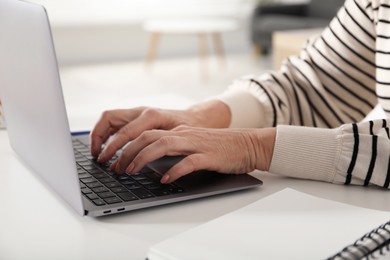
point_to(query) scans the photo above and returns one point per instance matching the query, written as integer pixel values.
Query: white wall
(87, 31)
(129, 41)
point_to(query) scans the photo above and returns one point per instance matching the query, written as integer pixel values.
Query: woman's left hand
(221, 150)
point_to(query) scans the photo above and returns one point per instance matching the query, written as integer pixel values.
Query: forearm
(210, 114)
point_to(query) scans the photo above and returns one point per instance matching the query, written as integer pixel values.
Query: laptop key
(153, 186)
(82, 149)
(111, 173)
(142, 193)
(92, 196)
(100, 189)
(82, 160)
(85, 162)
(96, 171)
(85, 153)
(113, 185)
(88, 180)
(145, 182)
(99, 175)
(133, 186)
(80, 170)
(153, 176)
(84, 175)
(105, 165)
(127, 182)
(99, 202)
(90, 167)
(112, 200)
(94, 185)
(118, 189)
(138, 177)
(123, 177)
(127, 196)
(107, 180)
(106, 194)
(86, 190)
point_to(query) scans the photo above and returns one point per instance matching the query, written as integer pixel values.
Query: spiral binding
(370, 246)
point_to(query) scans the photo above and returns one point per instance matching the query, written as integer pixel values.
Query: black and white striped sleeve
(316, 99)
(354, 153)
(351, 154)
(332, 81)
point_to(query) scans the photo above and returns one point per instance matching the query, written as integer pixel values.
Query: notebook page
(285, 225)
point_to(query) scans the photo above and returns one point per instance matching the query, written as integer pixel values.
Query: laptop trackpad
(163, 164)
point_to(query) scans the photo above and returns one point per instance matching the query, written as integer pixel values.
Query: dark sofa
(276, 17)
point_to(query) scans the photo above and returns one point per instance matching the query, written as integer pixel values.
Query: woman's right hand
(127, 124)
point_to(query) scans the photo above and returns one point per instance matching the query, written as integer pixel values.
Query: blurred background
(171, 53)
(100, 30)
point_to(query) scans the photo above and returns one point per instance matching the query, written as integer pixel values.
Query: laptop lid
(34, 107)
(37, 123)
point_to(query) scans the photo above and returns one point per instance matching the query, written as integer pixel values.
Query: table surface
(36, 223)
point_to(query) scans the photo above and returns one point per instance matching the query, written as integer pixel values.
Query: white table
(36, 224)
(200, 27)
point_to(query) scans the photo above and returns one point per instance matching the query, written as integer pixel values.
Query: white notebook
(286, 225)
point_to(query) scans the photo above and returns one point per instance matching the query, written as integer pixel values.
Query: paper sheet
(286, 225)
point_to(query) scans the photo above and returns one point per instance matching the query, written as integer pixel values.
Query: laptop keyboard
(102, 186)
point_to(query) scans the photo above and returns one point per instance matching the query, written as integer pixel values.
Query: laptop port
(121, 209)
(107, 211)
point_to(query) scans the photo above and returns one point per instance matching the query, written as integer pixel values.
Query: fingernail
(165, 179)
(112, 167)
(130, 168)
(101, 157)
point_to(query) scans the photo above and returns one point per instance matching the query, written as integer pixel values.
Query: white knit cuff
(306, 152)
(246, 109)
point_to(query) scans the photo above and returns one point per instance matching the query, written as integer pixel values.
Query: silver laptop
(39, 133)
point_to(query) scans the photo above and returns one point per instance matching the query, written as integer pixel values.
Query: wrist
(210, 114)
(264, 142)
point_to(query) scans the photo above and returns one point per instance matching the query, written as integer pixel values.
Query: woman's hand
(127, 124)
(221, 150)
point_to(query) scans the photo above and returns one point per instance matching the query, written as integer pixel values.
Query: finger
(146, 121)
(140, 143)
(189, 164)
(147, 142)
(164, 146)
(109, 133)
(109, 120)
(114, 164)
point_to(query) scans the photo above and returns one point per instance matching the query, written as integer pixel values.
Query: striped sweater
(318, 100)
